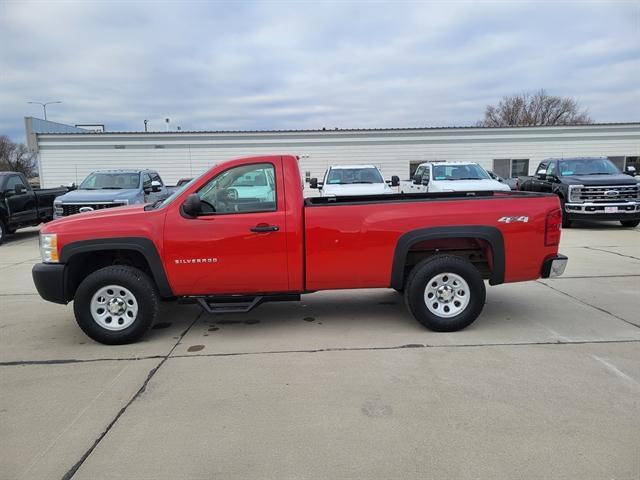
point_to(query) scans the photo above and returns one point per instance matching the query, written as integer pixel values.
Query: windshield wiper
(595, 173)
(359, 182)
(111, 188)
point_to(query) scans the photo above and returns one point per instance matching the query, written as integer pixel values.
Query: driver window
(551, 169)
(244, 189)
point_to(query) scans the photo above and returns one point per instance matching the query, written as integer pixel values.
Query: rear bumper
(554, 266)
(49, 279)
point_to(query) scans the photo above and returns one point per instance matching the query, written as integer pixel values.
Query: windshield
(587, 166)
(108, 181)
(345, 176)
(460, 172)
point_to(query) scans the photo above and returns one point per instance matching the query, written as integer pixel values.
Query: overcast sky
(290, 65)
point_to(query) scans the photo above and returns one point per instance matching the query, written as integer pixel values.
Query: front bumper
(554, 266)
(49, 279)
(603, 211)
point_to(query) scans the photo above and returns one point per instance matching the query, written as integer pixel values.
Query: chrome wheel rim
(447, 295)
(114, 307)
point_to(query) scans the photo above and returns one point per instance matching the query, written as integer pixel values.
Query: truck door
(22, 206)
(238, 244)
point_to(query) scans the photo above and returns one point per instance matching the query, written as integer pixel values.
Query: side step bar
(216, 305)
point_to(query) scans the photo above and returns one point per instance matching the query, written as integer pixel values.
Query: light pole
(44, 106)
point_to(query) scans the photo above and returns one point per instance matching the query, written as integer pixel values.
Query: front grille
(607, 193)
(73, 208)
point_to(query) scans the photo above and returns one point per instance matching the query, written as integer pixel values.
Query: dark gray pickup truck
(590, 188)
(23, 206)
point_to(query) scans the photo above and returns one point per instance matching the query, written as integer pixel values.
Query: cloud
(279, 65)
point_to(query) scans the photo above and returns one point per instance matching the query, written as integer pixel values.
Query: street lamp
(44, 106)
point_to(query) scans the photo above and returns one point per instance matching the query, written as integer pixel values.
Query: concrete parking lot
(545, 384)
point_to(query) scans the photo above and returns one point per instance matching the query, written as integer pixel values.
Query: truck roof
(576, 158)
(130, 170)
(341, 167)
(431, 162)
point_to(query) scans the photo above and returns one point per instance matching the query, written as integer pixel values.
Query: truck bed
(359, 240)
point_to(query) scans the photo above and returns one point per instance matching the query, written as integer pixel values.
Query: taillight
(553, 226)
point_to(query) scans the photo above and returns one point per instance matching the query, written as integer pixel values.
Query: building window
(511, 167)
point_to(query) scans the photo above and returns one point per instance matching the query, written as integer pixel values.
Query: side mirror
(155, 186)
(313, 183)
(72, 186)
(417, 178)
(425, 181)
(395, 181)
(630, 170)
(541, 174)
(192, 206)
(20, 189)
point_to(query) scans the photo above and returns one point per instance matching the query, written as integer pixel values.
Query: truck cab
(21, 205)
(451, 177)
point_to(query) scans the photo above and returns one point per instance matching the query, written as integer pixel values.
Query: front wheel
(116, 305)
(445, 293)
(3, 232)
(630, 223)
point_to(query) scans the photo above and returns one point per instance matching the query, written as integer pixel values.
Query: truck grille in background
(72, 209)
(608, 193)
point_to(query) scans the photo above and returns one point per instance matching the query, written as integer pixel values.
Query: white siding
(66, 158)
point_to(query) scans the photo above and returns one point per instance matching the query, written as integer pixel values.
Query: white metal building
(67, 154)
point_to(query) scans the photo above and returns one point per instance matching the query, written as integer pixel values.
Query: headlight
(49, 247)
(574, 192)
(123, 202)
(57, 209)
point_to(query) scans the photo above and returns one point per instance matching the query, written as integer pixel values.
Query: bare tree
(536, 108)
(16, 157)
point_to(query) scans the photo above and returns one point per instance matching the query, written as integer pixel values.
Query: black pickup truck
(590, 188)
(23, 206)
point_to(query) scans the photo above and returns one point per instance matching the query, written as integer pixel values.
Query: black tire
(137, 283)
(630, 223)
(566, 223)
(3, 232)
(423, 274)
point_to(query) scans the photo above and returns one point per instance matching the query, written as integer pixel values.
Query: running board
(216, 305)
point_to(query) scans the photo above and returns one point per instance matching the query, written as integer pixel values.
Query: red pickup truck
(242, 234)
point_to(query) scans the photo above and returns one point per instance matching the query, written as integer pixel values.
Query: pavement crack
(612, 253)
(600, 309)
(407, 346)
(63, 361)
(72, 471)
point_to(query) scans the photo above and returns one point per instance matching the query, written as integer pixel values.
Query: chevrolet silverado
(229, 249)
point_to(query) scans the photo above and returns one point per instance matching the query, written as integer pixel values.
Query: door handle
(263, 227)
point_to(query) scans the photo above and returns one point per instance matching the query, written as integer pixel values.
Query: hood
(591, 180)
(472, 185)
(96, 218)
(98, 195)
(355, 189)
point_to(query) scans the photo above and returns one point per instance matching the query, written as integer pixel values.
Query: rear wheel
(630, 223)
(445, 293)
(116, 304)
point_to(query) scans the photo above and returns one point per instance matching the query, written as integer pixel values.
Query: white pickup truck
(451, 177)
(346, 180)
